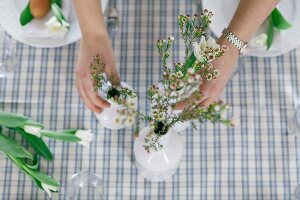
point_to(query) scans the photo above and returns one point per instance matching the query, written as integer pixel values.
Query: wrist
(232, 50)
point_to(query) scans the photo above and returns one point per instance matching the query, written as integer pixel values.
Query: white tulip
(49, 188)
(259, 41)
(85, 136)
(33, 130)
(55, 26)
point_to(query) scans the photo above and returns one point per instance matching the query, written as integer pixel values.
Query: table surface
(256, 160)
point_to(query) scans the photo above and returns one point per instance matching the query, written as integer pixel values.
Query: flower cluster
(179, 83)
(109, 86)
(182, 81)
(123, 98)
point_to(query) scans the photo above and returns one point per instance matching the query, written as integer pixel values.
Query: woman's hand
(212, 90)
(90, 46)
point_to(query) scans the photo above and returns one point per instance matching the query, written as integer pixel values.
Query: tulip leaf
(60, 136)
(270, 33)
(279, 21)
(43, 178)
(57, 12)
(33, 123)
(10, 147)
(58, 2)
(37, 143)
(12, 120)
(189, 62)
(35, 162)
(26, 16)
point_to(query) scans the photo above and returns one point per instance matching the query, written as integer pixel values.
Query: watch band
(241, 46)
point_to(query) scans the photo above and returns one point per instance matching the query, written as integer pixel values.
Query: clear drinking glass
(294, 122)
(296, 195)
(85, 185)
(8, 59)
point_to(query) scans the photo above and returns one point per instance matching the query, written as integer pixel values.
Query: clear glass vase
(85, 185)
(161, 165)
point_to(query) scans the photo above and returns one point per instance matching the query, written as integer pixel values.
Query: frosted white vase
(110, 118)
(161, 165)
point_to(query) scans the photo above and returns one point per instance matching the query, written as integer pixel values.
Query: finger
(93, 97)
(206, 102)
(187, 102)
(86, 101)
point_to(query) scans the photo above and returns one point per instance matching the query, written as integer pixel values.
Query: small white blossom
(216, 73)
(217, 108)
(179, 74)
(49, 188)
(55, 26)
(129, 121)
(191, 79)
(33, 130)
(197, 77)
(161, 117)
(199, 48)
(85, 136)
(191, 71)
(209, 76)
(172, 38)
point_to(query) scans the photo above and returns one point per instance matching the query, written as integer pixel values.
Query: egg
(39, 8)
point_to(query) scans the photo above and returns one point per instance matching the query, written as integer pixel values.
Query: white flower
(129, 121)
(216, 72)
(171, 38)
(204, 44)
(191, 79)
(217, 108)
(55, 26)
(85, 136)
(259, 41)
(49, 188)
(33, 130)
(179, 74)
(191, 71)
(209, 76)
(197, 77)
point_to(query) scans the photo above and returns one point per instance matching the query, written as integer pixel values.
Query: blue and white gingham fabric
(256, 160)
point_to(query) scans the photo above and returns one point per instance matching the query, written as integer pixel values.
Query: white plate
(223, 12)
(9, 20)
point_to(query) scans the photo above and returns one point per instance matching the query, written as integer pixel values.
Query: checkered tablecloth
(256, 160)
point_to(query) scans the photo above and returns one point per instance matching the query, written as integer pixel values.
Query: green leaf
(270, 33)
(10, 147)
(35, 162)
(26, 16)
(33, 123)
(37, 143)
(60, 136)
(69, 131)
(58, 2)
(20, 163)
(279, 21)
(43, 178)
(57, 12)
(12, 120)
(189, 62)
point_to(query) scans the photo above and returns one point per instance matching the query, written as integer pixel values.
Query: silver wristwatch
(241, 46)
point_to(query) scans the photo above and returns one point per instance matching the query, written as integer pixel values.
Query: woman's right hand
(90, 46)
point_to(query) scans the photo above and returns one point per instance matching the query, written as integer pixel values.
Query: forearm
(90, 16)
(249, 15)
